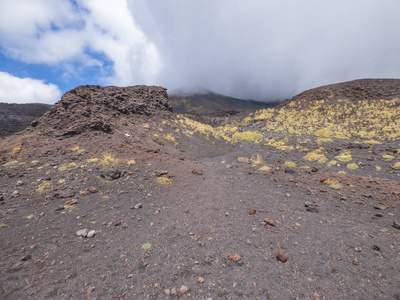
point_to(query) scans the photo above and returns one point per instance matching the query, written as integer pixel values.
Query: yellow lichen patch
(243, 159)
(332, 163)
(163, 180)
(333, 184)
(45, 186)
(345, 156)
(109, 160)
(131, 162)
(352, 166)
(290, 164)
(396, 166)
(323, 133)
(11, 164)
(316, 156)
(145, 125)
(265, 168)
(71, 165)
(75, 148)
(16, 149)
(92, 160)
(378, 168)
(388, 157)
(247, 136)
(324, 140)
(257, 159)
(170, 138)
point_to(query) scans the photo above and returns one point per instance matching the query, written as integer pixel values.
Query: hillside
(112, 195)
(16, 117)
(206, 103)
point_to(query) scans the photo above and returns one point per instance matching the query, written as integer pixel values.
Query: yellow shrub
(247, 136)
(352, 166)
(345, 156)
(109, 160)
(290, 164)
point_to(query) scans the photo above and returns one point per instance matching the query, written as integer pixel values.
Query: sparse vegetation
(247, 136)
(290, 164)
(45, 186)
(352, 166)
(345, 156)
(163, 180)
(109, 160)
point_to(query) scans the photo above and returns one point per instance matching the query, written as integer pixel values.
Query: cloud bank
(27, 90)
(267, 49)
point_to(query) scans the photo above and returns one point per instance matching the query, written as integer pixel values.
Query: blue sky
(255, 49)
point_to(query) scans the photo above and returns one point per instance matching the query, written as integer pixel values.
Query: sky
(265, 50)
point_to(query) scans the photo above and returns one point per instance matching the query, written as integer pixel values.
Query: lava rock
(82, 232)
(110, 173)
(252, 211)
(313, 209)
(270, 222)
(282, 256)
(197, 172)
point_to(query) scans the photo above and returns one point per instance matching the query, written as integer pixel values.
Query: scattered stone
(368, 196)
(137, 206)
(396, 225)
(93, 189)
(186, 210)
(130, 276)
(197, 172)
(355, 262)
(314, 169)
(228, 166)
(26, 257)
(1, 197)
(252, 211)
(110, 173)
(378, 215)
(227, 214)
(117, 223)
(234, 257)
(83, 192)
(358, 249)
(173, 291)
(160, 173)
(313, 209)
(167, 292)
(183, 289)
(308, 204)
(82, 232)
(15, 194)
(201, 280)
(60, 208)
(64, 194)
(282, 256)
(381, 206)
(270, 222)
(91, 233)
(376, 248)
(289, 170)
(19, 183)
(263, 223)
(253, 229)
(124, 225)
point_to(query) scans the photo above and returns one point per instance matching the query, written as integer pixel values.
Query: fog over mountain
(270, 49)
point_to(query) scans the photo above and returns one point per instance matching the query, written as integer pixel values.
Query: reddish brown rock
(93, 189)
(252, 211)
(270, 222)
(197, 172)
(282, 256)
(234, 257)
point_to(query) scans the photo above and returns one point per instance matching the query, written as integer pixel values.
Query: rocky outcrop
(99, 108)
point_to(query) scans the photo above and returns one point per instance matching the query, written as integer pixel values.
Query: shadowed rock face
(92, 107)
(16, 117)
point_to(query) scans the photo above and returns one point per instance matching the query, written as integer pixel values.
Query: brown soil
(202, 213)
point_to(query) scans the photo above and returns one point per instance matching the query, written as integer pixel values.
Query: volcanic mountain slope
(206, 103)
(16, 117)
(283, 203)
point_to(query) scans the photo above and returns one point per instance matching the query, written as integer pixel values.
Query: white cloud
(270, 49)
(58, 33)
(26, 90)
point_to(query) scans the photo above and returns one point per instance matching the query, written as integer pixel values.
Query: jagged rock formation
(16, 117)
(99, 108)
